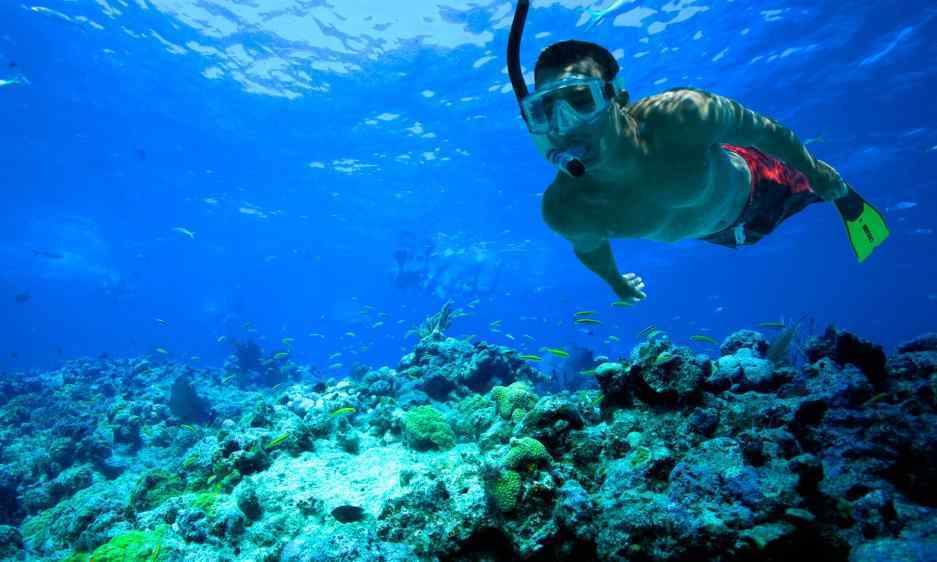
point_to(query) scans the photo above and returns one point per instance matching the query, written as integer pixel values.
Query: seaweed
(436, 324)
(789, 345)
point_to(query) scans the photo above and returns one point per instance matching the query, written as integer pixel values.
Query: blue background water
(305, 142)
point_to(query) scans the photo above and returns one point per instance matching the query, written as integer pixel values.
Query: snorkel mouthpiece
(568, 161)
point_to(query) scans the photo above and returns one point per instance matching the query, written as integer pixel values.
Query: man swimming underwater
(683, 164)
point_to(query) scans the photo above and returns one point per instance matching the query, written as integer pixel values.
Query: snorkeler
(412, 262)
(683, 164)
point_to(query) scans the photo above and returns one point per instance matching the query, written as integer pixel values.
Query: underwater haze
(250, 244)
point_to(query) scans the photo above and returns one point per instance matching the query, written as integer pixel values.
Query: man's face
(595, 136)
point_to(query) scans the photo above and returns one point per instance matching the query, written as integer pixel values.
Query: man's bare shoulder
(670, 103)
(675, 118)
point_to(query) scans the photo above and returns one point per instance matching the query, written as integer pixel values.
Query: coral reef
(462, 452)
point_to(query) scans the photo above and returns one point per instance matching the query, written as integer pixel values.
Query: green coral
(189, 461)
(527, 452)
(135, 546)
(639, 456)
(513, 398)
(206, 500)
(471, 404)
(475, 415)
(506, 490)
(424, 428)
(154, 488)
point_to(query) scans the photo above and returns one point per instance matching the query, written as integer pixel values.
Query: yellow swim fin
(865, 225)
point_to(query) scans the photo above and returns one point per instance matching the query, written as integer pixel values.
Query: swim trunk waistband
(777, 191)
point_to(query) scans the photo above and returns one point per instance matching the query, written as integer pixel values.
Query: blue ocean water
(313, 147)
(276, 286)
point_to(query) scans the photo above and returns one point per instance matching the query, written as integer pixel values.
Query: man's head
(574, 57)
(571, 78)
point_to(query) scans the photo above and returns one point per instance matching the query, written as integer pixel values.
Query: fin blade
(865, 225)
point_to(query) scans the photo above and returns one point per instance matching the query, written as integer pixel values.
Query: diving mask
(566, 105)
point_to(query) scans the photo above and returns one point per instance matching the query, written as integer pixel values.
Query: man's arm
(597, 256)
(593, 251)
(708, 118)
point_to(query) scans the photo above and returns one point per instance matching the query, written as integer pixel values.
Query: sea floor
(465, 451)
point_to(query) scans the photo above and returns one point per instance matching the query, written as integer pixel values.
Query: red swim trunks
(777, 192)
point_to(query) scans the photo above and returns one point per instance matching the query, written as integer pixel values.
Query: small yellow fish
(509, 336)
(529, 357)
(156, 550)
(278, 439)
(587, 321)
(646, 331)
(316, 335)
(663, 358)
(281, 355)
(773, 325)
(529, 337)
(185, 232)
(621, 304)
(468, 338)
(557, 351)
(276, 386)
(221, 339)
(495, 323)
(195, 359)
(653, 334)
(335, 355)
(377, 324)
(188, 427)
(584, 313)
(287, 341)
(613, 338)
(704, 339)
(350, 334)
(335, 366)
(588, 372)
(161, 322)
(161, 351)
(343, 411)
(227, 378)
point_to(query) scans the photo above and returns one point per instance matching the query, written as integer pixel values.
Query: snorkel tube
(568, 161)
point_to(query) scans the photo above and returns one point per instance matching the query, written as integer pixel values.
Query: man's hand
(827, 183)
(630, 289)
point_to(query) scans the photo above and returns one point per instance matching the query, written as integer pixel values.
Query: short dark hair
(569, 52)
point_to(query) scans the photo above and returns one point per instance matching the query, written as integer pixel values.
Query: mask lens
(580, 98)
(583, 98)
